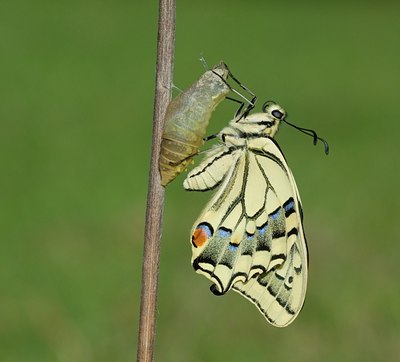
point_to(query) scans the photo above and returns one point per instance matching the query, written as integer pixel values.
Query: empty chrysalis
(187, 118)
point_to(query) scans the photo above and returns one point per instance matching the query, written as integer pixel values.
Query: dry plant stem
(155, 197)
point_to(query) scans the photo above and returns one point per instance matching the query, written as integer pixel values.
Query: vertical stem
(155, 196)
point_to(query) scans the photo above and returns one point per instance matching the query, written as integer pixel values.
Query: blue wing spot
(224, 233)
(207, 228)
(289, 206)
(233, 247)
(263, 229)
(274, 215)
(249, 236)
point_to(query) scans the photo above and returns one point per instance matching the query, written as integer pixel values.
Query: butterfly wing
(279, 293)
(250, 236)
(212, 170)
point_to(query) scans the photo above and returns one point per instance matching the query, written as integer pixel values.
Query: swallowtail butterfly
(250, 236)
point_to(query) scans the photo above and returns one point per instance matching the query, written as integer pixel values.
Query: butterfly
(250, 236)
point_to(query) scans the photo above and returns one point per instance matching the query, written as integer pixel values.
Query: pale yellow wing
(250, 237)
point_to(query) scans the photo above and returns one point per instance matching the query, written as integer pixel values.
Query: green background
(76, 101)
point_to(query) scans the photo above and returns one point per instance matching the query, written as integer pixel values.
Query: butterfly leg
(251, 103)
(210, 137)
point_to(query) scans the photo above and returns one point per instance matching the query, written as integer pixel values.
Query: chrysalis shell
(186, 121)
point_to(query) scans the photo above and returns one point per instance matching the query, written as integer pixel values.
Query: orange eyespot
(199, 237)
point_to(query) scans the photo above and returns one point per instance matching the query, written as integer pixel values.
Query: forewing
(279, 292)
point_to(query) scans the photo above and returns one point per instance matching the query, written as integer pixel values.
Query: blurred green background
(76, 100)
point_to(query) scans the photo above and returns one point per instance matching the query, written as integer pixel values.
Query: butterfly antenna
(312, 134)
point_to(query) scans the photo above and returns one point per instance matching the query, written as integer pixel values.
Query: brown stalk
(155, 196)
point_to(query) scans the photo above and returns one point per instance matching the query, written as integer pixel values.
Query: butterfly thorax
(257, 125)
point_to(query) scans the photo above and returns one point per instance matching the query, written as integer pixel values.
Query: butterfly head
(266, 123)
